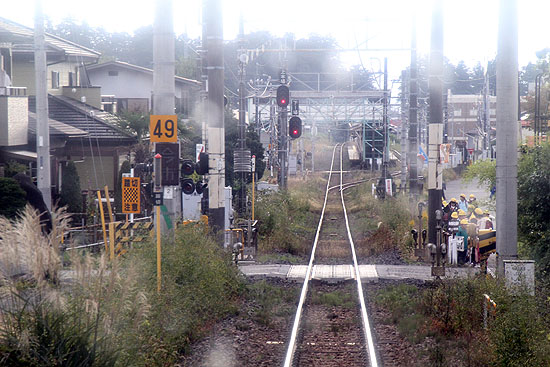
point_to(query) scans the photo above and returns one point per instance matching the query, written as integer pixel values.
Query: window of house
(72, 79)
(473, 112)
(133, 105)
(112, 73)
(182, 104)
(55, 80)
(457, 113)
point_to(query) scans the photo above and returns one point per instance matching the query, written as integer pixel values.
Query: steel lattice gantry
(361, 111)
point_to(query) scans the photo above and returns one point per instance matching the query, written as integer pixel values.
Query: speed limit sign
(163, 128)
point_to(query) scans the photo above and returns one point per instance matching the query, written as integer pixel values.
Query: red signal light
(295, 127)
(283, 96)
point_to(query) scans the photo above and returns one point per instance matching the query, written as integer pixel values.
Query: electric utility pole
(413, 116)
(242, 163)
(43, 131)
(435, 131)
(486, 117)
(507, 129)
(386, 156)
(164, 89)
(215, 118)
(403, 131)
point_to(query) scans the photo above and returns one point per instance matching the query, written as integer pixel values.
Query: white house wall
(128, 83)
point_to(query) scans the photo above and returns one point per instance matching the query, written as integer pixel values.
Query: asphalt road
(457, 187)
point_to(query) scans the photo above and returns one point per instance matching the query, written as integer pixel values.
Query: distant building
(465, 125)
(79, 131)
(131, 87)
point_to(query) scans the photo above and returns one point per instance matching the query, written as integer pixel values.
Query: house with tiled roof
(79, 129)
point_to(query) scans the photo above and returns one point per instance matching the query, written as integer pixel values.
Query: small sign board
(163, 128)
(389, 188)
(520, 275)
(131, 195)
(158, 199)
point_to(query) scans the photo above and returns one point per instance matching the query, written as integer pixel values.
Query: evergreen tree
(71, 195)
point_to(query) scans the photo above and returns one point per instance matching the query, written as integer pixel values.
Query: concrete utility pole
(435, 131)
(507, 129)
(486, 117)
(242, 155)
(403, 131)
(413, 116)
(215, 118)
(163, 82)
(386, 155)
(43, 130)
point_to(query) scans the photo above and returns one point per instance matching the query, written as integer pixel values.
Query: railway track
(331, 325)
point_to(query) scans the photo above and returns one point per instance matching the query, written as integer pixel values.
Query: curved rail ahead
(373, 359)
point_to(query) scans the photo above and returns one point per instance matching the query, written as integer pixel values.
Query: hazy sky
(470, 25)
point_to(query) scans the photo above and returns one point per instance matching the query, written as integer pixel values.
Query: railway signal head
(187, 183)
(202, 165)
(295, 127)
(187, 186)
(187, 167)
(283, 96)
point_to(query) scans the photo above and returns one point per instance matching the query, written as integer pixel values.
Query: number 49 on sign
(163, 128)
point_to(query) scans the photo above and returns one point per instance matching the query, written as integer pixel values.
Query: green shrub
(71, 195)
(450, 312)
(199, 286)
(12, 197)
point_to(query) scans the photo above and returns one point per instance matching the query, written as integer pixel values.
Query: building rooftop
(96, 123)
(22, 38)
(141, 69)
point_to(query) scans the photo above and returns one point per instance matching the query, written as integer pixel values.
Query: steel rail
(292, 343)
(373, 358)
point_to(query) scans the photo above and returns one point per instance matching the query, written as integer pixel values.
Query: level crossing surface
(368, 273)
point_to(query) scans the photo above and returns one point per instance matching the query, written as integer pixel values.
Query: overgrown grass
(109, 313)
(381, 225)
(339, 298)
(450, 314)
(287, 223)
(271, 301)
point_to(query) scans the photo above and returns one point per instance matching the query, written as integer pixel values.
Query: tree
(533, 208)
(533, 199)
(71, 194)
(12, 197)
(135, 122)
(462, 80)
(527, 75)
(478, 79)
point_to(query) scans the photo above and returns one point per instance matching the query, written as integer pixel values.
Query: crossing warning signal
(188, 186)
(283, 96)
(295, 127)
